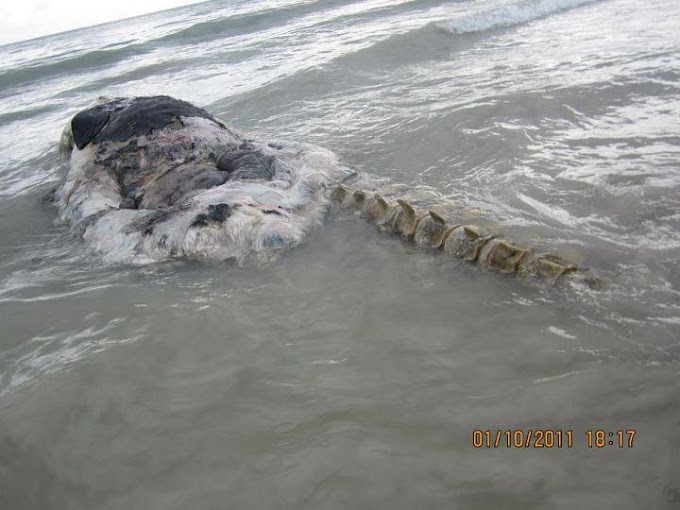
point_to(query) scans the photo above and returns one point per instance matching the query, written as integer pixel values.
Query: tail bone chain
(430, 231)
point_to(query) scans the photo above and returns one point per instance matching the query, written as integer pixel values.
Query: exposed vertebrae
(431, 231)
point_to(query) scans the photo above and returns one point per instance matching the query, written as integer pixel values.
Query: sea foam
(509, 15)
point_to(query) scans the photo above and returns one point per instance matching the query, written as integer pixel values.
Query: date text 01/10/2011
(551, 438)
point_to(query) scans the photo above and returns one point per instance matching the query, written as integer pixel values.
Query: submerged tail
(431, 231)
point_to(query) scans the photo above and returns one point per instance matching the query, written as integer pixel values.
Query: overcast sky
(26, 19)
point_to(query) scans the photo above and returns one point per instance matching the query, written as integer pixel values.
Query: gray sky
(26, 19)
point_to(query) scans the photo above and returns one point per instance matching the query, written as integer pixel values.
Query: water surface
(352, 373)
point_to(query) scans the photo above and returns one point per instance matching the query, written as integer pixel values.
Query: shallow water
(353, 372)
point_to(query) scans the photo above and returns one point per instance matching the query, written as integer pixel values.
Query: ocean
(356, 372)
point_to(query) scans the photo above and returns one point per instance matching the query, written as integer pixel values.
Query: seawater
(353, 372)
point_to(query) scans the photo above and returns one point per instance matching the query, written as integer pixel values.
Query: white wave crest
(509, 15)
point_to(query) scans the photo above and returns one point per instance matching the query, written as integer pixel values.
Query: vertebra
(430, 230)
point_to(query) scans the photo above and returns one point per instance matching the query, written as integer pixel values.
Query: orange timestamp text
(551, 438)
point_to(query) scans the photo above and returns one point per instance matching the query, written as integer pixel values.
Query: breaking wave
(509, 15)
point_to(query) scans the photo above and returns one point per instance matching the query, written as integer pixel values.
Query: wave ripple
(509, 15)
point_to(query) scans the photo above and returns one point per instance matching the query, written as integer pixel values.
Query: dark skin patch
(121, 119)
(201, 220)
(87, 124)
(216, 214)
(219, 212)
(247, 162)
